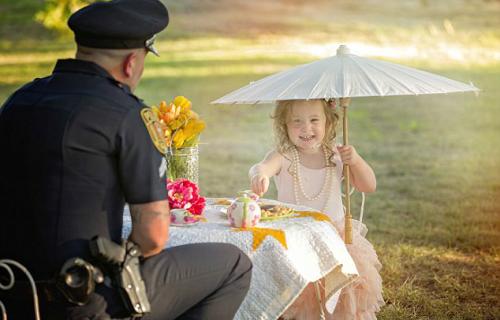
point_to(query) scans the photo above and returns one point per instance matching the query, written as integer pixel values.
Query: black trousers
(196, 281)
(200, 281)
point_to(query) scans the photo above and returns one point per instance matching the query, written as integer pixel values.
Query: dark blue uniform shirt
(73, 149)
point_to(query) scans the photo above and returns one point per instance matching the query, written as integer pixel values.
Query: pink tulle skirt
(358, 301)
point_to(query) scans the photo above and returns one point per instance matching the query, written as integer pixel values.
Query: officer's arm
(150, 225)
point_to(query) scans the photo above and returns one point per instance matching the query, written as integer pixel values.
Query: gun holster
(122, 262)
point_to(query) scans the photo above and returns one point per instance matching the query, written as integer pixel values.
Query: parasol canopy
(343, 75)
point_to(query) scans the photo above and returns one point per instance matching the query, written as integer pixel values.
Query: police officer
(78, 144)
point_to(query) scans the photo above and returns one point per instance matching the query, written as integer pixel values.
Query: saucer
(185, 224)
(220, 208)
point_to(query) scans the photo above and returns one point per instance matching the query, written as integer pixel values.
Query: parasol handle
(344, 103)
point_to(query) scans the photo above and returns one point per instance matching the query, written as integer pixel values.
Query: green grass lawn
(434, 219)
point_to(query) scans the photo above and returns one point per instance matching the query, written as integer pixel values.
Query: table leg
(318, 296)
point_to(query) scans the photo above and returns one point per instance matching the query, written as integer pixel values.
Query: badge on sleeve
(155, 129)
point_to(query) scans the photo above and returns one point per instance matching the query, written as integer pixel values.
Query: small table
(287, 254)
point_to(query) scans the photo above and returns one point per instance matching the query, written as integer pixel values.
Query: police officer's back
(75, 149)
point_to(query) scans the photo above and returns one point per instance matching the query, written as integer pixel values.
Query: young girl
(307, 169)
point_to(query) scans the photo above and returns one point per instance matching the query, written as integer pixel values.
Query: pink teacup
(181, 216)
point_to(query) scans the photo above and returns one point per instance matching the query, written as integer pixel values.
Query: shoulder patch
(155, 129)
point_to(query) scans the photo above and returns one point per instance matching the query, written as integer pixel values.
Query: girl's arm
(261, 172)
(361, 174)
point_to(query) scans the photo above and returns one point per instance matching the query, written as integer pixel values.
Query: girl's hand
(349, 155)
(260, 184)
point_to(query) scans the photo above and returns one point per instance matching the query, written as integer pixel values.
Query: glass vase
(183, 163)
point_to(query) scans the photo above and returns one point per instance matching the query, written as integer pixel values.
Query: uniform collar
(87, 67)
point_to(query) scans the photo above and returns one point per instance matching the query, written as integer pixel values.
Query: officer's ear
(129, 64)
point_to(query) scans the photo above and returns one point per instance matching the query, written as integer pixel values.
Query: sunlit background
(434, 219)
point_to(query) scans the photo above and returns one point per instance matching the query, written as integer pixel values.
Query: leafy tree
(55, 13)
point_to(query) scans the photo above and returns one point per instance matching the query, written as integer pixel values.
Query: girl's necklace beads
(297, 180)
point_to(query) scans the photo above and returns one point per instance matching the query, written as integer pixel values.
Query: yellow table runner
(259, 234)
(313, 214)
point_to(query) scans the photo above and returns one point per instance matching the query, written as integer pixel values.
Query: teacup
(180, 216)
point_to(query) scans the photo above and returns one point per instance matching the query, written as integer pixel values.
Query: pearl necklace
(297, 180)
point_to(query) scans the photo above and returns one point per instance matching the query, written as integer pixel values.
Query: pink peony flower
(184, 194)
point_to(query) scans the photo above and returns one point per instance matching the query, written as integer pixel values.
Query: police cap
(119, 24)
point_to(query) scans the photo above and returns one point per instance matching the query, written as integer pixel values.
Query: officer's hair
(107, 58)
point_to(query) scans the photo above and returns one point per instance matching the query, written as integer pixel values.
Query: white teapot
(244, 211)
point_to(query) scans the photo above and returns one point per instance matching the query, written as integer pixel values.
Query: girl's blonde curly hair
(281, 116)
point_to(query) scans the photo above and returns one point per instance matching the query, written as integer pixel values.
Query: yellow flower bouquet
(182, 128)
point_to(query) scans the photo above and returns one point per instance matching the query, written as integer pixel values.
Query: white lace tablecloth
(315, 250)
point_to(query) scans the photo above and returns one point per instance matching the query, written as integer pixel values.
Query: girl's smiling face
(306, 124)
